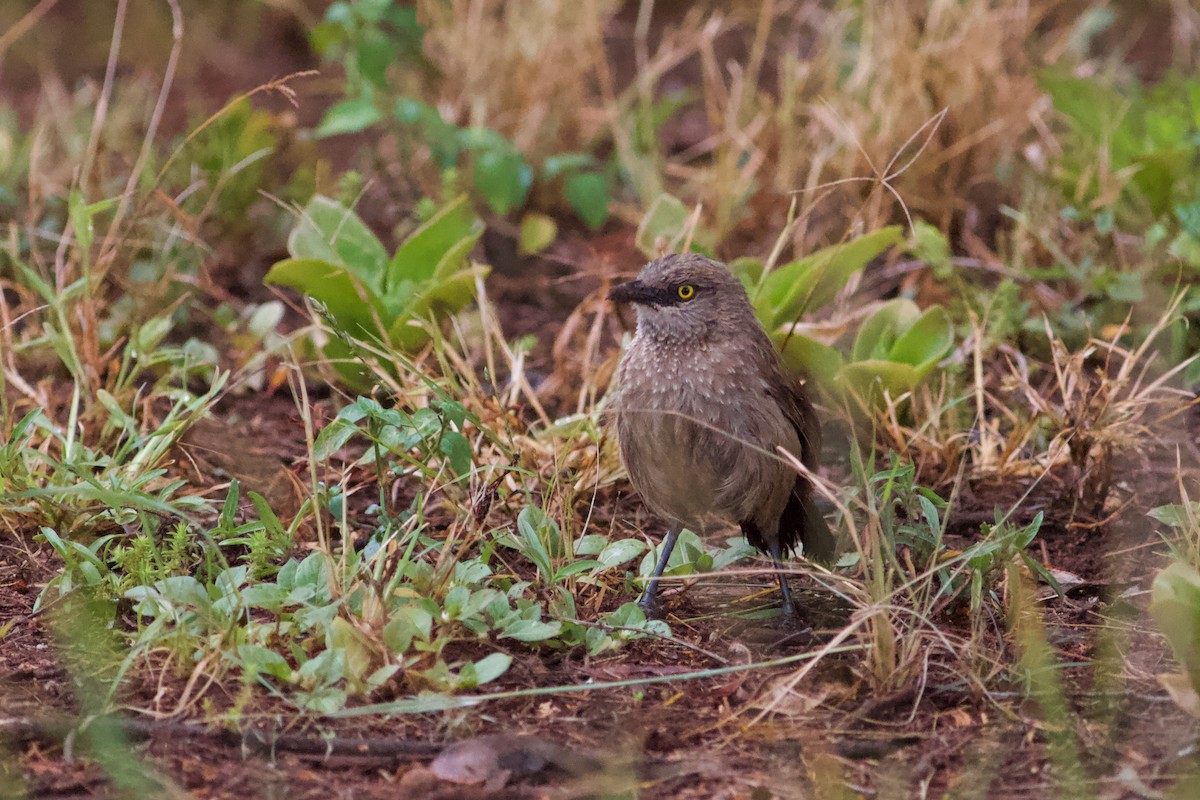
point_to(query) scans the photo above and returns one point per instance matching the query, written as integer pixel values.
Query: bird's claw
(650, 607)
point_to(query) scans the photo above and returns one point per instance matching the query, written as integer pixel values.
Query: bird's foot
(650, 606)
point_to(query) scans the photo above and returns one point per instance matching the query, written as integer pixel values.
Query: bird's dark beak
(634, 292)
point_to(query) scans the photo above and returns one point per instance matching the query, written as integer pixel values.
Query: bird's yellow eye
(686, 291)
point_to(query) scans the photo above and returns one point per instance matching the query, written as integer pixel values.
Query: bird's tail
(802, 524)
(819, 543)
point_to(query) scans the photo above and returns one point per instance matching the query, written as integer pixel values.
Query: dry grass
(830, 101)
(877, 75)
(528, 70)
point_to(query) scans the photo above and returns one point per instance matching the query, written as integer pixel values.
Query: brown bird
(701, 406)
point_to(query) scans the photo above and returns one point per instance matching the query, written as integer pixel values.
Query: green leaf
(869, 379)
(255, 659)
(536, 530)
(810, 282)
(1125, 287)
(664, 223)
(1175, 607)
(457, 448)
(930, 245)
(881, 330)
(151, 333)
(374, 54)
(329, 231)
(563, 163)
(1189, 216)
(347, 299)
(537, 233)
(531, 630)
(808, 356)
(419, 255)
(408, 622)
(503, 179)
(587, 193)
(81, 220)
(449, 294)
(332, 438)
(485, 139)
(748, 270)
(82, 216)
(1176, 515)
(349, 116)
(926, 341)
(490, 667)
(621, 551)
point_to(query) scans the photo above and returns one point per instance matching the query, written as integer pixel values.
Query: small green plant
(1147, 141)
(370, 37)
(390, 302)
(1175, 607)
(893, 350)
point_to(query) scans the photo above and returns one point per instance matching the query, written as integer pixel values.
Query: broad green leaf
(255, 658)
(808, 356)
(375, 53)
(531, 630)
(457, 448)
(748, 270)
(591, 544)
(880, 331)
(455, 258)
(869, 379)
(537, 233)
(810, 282)
(490, 667)
(502, 178)
(332, 438)
(1175, 607)
(621, 551)
(926, 341)
(265, 319)
(420, 254)
(587, 193)
(347, 299)
(447, 295)
(151, 333)
(1176, 515)
(486, 139)
(329, 231)
(357, 651)
(349, 116)
(665, 220)
(1125, 287)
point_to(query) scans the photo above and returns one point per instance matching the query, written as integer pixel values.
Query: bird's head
(686, 297)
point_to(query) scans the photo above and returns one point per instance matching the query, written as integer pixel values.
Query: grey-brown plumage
(702, 405)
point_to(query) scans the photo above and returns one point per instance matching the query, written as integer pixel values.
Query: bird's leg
(789, 607)
(649, 599)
